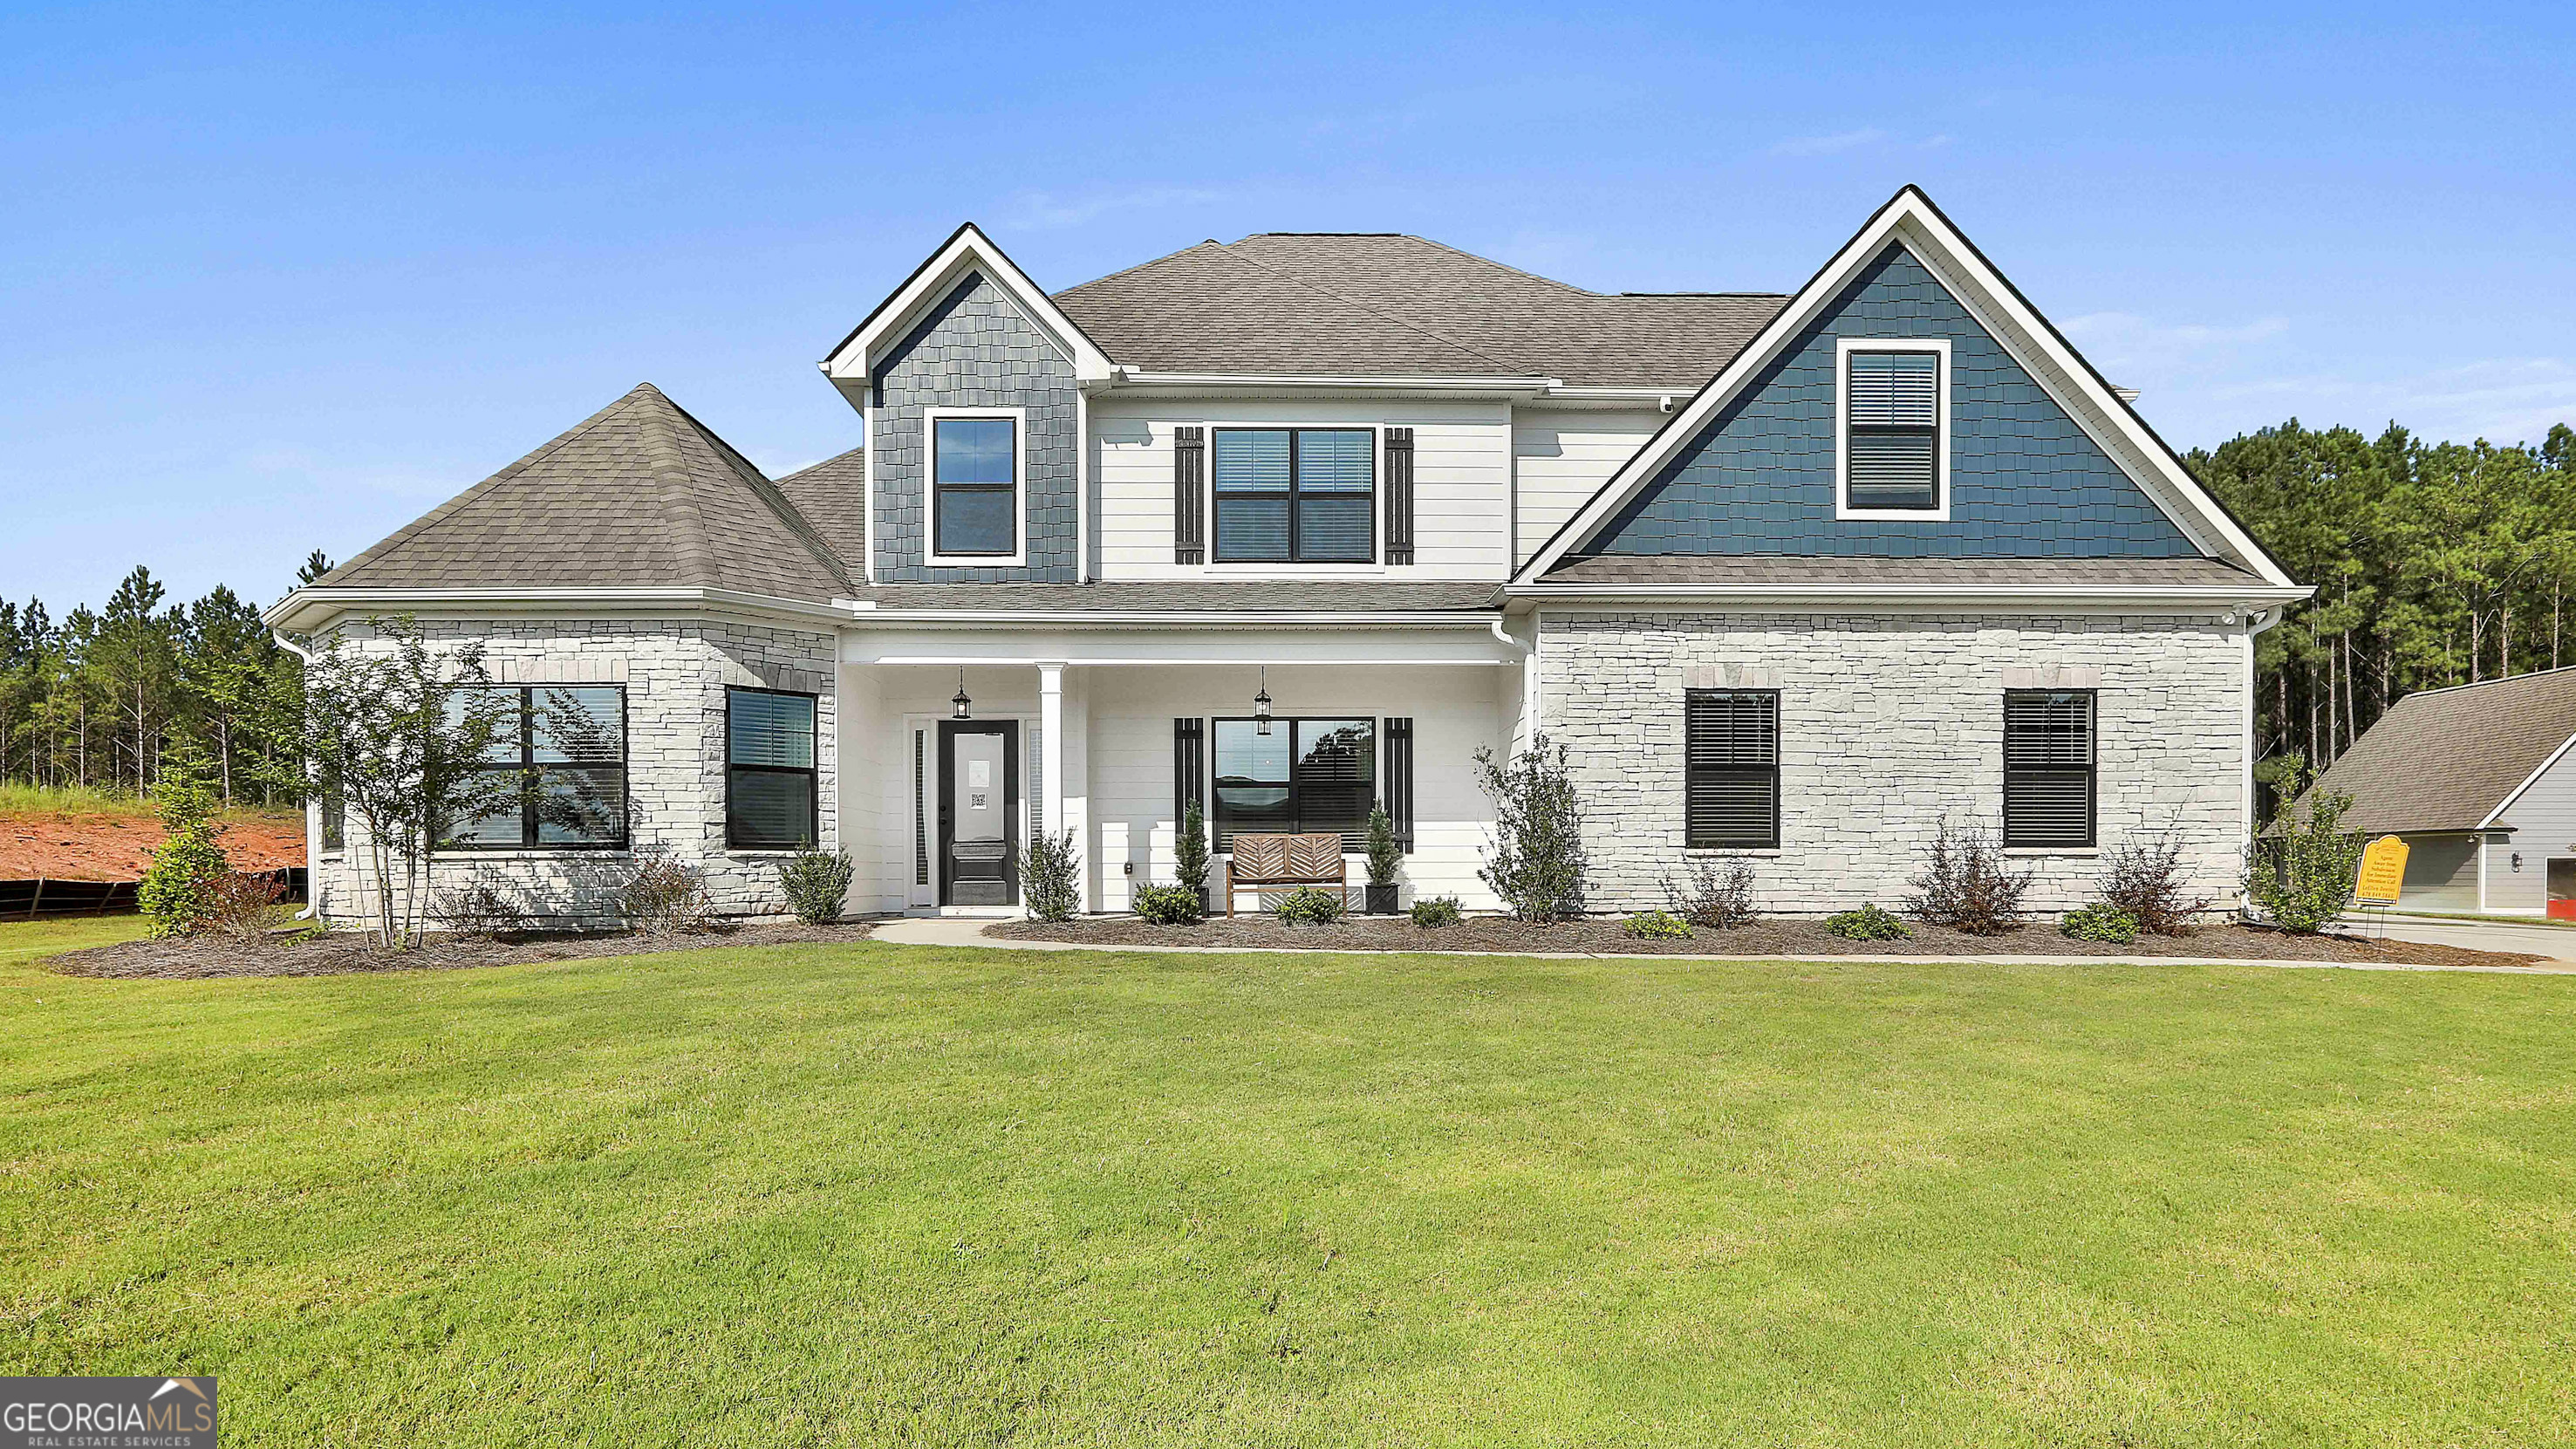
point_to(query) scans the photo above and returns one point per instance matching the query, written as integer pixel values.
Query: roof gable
(2035, 346)
(849, 365)
(1759, 477)
(2453, 759)
(637, 495)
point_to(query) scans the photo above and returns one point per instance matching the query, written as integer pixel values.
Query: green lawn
(874, 1195)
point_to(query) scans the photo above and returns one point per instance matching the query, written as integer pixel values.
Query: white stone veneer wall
(1887, 723)
(676, 672)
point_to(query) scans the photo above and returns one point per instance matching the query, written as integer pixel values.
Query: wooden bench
(1259, 862)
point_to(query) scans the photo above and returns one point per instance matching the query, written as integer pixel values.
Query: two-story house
(1293, 524)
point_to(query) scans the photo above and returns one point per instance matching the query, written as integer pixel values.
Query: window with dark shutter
(1294, 495)
(2048, 768)
(1733, 769)
(1399, 495)
(1189, 495)
(1892, 430)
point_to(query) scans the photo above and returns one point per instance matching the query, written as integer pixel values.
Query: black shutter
(1399, 495)
(920, 815)
(1731, 769)
(1189, 495)
(1188, 767)
(1399, 779)
(2048, 768)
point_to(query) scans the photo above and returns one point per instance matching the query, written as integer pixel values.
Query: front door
(979, 812)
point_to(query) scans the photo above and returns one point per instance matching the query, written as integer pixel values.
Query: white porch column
(1051, 748)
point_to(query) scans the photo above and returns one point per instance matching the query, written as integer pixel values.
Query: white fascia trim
(1018, 557)
(1844, 347)
(1220, 618)
(2527, 782)
(308, 608)
(1927, 597)
(1911, 217)
(968, 249)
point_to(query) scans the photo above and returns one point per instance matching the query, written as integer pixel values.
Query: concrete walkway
(2556, 942)
(949, 931)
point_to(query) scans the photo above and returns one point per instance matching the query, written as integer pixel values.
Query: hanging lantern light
(1261, 704)
(965, 707)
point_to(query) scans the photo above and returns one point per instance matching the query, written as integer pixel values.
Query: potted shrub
(1385, 858)
(1190, 855)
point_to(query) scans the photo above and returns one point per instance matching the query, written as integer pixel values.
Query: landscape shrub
(1307, 906)
(817, 884)
(2143, 879)
(666, 897)
(237, 905)
(483, 906)
(1169, 905)
(1656, 926)
(1437, 912)
(1534, 860)
(2100, 922)
(1385, 852)
(1050, 877)
(178, 889)
(1717, 894)
(1966, 884)
(1869, 923)
(1190, 852)
(2301, 869)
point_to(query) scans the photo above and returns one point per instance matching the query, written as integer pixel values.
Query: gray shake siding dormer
(2025, 480)
(976, 349)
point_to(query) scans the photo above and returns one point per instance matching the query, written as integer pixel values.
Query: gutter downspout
(312, 809)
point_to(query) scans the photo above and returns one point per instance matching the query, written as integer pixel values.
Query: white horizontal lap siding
(1561, 457)
(1454, 711)
(1461, 481)
(2543, 820)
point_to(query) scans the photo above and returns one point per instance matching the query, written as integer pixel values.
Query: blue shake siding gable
(2025, 479)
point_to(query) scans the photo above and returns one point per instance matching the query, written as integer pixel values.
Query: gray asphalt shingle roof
(2444, 759)
(1755, 569)
(638, 495)
(833, 497)
(1380, 305)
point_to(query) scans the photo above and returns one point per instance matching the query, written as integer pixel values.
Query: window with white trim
(1892, 426)
(975, 487)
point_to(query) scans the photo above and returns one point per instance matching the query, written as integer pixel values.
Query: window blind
(1732, 769)
(1891, 421)
(2048, 768)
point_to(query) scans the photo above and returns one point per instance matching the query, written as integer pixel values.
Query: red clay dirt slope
(91, 846)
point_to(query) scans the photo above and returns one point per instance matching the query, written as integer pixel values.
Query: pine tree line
(100, 697)
(2434, 564)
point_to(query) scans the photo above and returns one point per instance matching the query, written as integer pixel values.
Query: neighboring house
(2477, 780)
(1792, 577)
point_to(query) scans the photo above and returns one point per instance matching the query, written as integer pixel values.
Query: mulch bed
(338, 953)
(1763, 938)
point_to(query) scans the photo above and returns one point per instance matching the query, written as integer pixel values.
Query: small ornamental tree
(181, 890)
(2301, 869)
(401, 738)
(1385, 852)
(1534, 859)
(1051, 876)
(1190, 852)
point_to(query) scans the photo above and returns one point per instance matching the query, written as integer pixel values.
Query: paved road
(2557, 942)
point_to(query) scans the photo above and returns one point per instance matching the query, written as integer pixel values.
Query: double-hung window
(1894, 420)
(1306, 776)
(770, 794)
(558, 772)
(974, 487)
(1295, 495)
(2048, 768)
(1731, 769)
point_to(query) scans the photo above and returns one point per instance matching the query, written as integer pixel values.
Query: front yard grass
(870, 1194)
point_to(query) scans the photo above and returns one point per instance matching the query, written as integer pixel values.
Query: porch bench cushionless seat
(1256, 862)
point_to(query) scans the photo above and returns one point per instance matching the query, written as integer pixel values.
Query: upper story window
(975, 485)
(1894, 421)
(1295, 495)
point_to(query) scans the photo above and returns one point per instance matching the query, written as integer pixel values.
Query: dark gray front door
(979, 812)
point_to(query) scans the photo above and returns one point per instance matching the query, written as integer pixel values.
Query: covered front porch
(959, 743)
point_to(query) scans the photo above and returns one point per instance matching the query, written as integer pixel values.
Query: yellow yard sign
(2383, 871)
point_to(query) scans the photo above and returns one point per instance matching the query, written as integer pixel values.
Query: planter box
(1381, 899)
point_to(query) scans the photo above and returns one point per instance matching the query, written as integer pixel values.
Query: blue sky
(288, 278)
